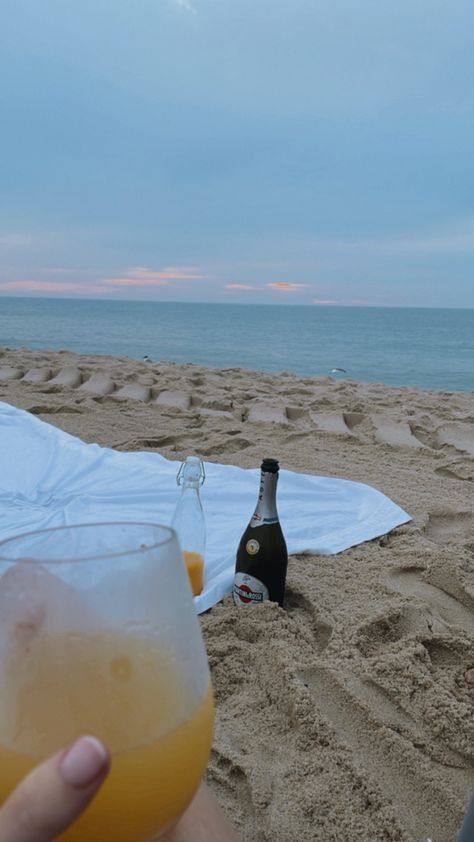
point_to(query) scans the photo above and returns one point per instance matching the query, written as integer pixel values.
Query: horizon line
(287, 303)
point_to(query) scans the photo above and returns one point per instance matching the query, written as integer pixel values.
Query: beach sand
(349, 715)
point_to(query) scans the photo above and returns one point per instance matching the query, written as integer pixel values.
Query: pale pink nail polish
(83, 762)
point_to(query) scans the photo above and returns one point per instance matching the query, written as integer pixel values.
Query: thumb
(54, 794)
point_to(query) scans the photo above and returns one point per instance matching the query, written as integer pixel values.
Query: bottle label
(258, 520)
(266, 511)
(248, 590)
(252, 546)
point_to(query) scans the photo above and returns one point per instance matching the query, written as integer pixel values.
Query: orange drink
(155, 722)
(195, 566)
(99, 635)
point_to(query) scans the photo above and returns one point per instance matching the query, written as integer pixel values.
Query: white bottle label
(266, 511)
(248, 590)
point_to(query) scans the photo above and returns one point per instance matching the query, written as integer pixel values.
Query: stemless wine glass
(98, 635)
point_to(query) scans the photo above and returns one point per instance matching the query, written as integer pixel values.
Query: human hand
(55, 793)
(203, 821)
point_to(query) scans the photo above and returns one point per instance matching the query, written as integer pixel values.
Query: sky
(250, 151)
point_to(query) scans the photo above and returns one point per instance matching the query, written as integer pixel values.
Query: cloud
(322, 301)
(141, 276)
(285, 286)
(187, 5)
(239, 286)
(50, 286)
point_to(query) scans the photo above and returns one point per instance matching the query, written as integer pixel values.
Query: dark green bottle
(262, 557)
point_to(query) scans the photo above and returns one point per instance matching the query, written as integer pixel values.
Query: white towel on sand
(50, 478)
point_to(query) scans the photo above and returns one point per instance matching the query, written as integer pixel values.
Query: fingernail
(84, 761)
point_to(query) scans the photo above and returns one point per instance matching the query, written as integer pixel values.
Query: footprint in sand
(267, 413)
(216, 413)
(298, 607)
(297, 413)
(132, 392)
(461, 470)
(448, 609)
(362, 425)
(367, 427)
(9, 373)
(55, 410)
(355, 419)
(460, 436)
(445, 652)
(147, 443)
(230, 778)
(391, 627)
(98, 384)
(395, 433)
(449, 527)
(331, 422)
(447, 662)
(175, 398)
(456, 435)
(69, 377)
(423, 623)
(356, 709)
(37, 375)
(216, 404)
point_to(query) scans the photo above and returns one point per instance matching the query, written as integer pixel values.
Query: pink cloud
(49, 286)
(285, 286)
(141, 276)
(238, 286)
(324, 301)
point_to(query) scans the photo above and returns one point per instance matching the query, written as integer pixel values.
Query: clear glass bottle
(188, 520)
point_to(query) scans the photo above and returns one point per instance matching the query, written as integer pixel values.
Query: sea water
(430, 348)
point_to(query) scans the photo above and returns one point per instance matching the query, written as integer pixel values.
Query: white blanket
(49, 478)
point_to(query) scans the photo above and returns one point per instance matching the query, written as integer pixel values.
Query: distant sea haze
(430, 348)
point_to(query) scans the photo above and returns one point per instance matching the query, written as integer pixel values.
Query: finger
(55, 793)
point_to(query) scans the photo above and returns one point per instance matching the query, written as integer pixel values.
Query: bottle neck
(266, 510)
(189, 496)
(190, 486)
(188, 520)
(191, 473)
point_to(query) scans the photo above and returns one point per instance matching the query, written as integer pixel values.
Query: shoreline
(86, 362)
(426, 348)
(350, 713)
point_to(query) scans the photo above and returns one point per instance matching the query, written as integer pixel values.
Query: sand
(349, 715)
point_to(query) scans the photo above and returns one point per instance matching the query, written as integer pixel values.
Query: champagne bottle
(262, 557)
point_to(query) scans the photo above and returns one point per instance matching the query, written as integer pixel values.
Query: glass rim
(96, 556)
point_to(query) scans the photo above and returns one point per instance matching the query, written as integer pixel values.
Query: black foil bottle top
(270, 466)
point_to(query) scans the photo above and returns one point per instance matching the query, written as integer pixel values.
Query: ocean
(429, 348)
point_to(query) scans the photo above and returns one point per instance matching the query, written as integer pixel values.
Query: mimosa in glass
(108, 645)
